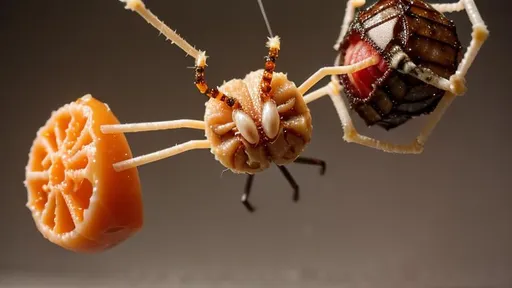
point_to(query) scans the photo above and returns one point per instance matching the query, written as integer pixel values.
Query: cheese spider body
(249, 123)
(264, 132)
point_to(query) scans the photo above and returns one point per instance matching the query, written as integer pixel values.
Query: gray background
(440, 219)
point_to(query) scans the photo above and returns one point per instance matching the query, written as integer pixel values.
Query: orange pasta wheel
(77, 200)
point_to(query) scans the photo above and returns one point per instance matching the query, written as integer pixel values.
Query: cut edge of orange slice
(76, 198)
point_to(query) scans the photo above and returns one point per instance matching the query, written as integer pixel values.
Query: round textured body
(232, 150)
(380, 94)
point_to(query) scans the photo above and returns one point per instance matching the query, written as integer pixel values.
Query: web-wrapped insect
(249, 123)
(420, 71)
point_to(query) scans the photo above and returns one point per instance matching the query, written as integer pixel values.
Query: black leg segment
(292, 182)
(247, 192)
(287, 175)
(312, 161)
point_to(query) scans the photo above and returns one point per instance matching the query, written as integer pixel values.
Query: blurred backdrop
(439, 219)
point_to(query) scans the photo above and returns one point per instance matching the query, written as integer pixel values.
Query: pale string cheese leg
(449, 7)
(479, 36)
(317, 94)
(162, 154)
(350, 12)
(324, 91)
(199, 56)
(350, 133)
(402, 63)
(139, 7)
(352, 136)
(336, 70)
(152, 126)
(456, 84)
(435, 117)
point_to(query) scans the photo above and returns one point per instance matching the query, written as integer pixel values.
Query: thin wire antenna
(265, 18)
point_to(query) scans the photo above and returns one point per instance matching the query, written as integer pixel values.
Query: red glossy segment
(362, 80)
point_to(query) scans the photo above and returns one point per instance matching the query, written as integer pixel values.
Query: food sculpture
(77, 200)
(397, 59)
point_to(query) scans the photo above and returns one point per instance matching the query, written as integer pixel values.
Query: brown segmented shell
(426, 36)
(236, 154)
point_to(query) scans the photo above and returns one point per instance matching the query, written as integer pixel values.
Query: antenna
(265, 18)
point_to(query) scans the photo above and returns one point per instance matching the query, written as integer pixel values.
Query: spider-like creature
(421, 66)
(263, 118)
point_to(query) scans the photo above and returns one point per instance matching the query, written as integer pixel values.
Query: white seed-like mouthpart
(246, 126)
(270, 119)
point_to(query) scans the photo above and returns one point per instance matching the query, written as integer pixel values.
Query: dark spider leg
(312, 161)
(292, 182)
(245, 196)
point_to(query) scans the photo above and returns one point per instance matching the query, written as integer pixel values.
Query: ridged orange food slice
(77, 200)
